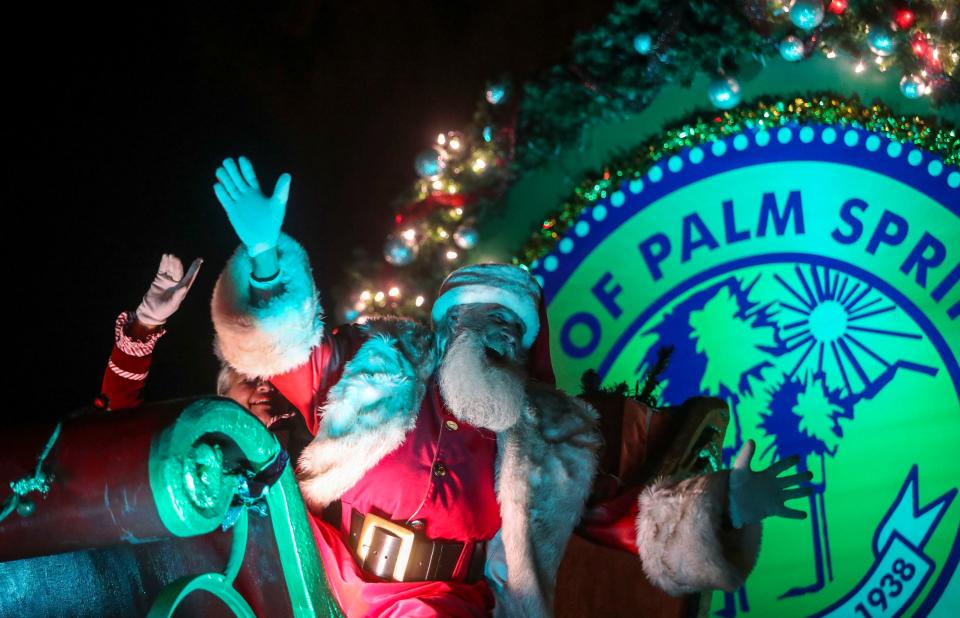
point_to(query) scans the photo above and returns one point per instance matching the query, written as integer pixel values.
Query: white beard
(477, 390)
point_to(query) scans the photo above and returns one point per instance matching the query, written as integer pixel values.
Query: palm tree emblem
(838, 334)
(793, 349)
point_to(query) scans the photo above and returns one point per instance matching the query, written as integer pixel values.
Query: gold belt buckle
(370, 523)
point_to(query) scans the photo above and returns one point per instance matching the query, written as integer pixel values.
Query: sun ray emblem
(838, 327)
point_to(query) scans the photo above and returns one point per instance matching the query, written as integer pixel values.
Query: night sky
(121, 117)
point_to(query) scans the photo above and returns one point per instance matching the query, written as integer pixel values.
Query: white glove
(255, 217)
(167, 291)
(756, 495)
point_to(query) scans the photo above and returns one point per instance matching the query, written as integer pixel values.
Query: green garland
(607, 79)
(610, 76)
(820, 109)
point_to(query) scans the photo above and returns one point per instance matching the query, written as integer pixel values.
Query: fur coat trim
(545, 469)
(684, 545)
(267, 338)
(370, 410)
(545, 463)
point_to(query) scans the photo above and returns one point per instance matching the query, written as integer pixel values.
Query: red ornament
(920, 45)
(904, 18)
(837, 6)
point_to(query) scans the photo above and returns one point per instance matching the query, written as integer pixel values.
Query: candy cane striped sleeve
(128, 366)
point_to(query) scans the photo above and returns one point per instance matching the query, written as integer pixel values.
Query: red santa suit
(386, 445)
(128, 366)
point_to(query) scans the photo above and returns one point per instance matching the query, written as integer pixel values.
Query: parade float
(768, 189)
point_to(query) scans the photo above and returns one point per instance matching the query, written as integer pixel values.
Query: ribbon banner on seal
(900, 569)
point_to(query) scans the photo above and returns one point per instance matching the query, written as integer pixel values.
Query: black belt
(399, 553)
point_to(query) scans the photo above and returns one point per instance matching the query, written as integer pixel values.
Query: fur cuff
(683, 543)
(266, 338)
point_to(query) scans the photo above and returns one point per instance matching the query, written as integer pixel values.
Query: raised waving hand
(255, 217)
(167, 291)
(757, 495)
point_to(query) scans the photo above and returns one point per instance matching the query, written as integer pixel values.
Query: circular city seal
(808, 274)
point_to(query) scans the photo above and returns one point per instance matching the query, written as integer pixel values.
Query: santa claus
(447, 473)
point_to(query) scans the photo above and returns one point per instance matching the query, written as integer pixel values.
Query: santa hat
(501, 284)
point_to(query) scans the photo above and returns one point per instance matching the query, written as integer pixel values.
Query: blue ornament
(643, 43)
(881, 41)
(497, 93)
(430, 163)
(398, 252)
(806, 14)
(792, 49)
(912, 86)
(724, 92)
(466, 237)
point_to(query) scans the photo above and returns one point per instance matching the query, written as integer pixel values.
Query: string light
(379, 296)
(480, 161)
(366, 295)
(394, 292)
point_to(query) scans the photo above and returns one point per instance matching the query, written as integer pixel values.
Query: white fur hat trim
(501, 284)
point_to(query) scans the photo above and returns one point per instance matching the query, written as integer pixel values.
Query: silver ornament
(26, 507)
(430, 163)
(497, 93)
(466, 237)
(643, 43)
(792, 49)
(881, 41)
(724, 92)
(806, 14)
(912, 86)
(399, 252)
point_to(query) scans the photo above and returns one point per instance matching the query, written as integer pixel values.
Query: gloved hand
(167, 291)
(255, 217)
(756, 495)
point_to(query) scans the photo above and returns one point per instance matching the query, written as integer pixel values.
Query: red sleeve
(613, 522)
(634, 434)
(306, 387)
(127, 368)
